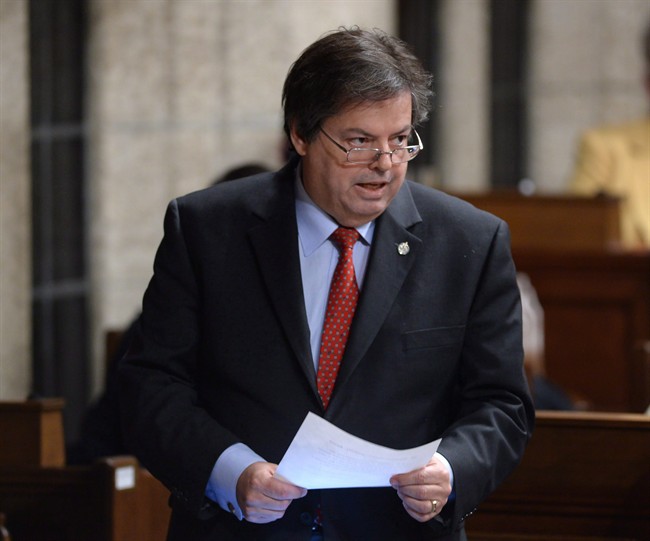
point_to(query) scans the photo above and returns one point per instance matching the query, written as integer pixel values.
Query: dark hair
(350, 66)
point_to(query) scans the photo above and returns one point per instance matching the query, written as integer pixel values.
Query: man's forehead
(367, 117)
(363, 105)
(354, 130)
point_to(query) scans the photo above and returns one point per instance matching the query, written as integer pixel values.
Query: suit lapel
(387, 270)
(275, 243)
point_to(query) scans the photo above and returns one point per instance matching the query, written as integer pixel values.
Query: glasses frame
(378, 152)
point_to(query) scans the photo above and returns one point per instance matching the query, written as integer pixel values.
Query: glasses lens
(399, 155)
(362, 155)
(405, 154)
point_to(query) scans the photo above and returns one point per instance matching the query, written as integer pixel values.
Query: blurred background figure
(246, 170)
(615, 161)
(546, 394)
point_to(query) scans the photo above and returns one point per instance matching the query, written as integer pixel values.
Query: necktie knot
(345, 238)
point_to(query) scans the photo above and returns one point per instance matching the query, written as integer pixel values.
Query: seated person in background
(546, 394)
(241, 171)
(615, 160)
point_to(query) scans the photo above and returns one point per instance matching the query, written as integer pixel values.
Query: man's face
(354, 194)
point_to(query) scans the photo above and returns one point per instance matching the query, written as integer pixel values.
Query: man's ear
(299, 144)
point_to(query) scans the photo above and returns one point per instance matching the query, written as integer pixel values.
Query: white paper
(324, 456)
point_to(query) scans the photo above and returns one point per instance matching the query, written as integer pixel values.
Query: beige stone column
(15, 218)
(463, 106)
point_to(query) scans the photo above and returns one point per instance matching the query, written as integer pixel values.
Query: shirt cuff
(222, 485)
(442, 459)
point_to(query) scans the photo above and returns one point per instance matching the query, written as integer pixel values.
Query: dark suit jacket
(223, 356)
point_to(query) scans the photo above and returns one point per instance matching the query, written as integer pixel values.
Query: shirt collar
(315, 226)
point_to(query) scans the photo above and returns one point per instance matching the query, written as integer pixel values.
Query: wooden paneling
(584, 477)
(35, 428)
(597, 324)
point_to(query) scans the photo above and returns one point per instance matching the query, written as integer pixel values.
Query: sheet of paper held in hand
(324, 456)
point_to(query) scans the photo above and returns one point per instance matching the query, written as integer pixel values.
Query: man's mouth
(374, 186)
(371, 186)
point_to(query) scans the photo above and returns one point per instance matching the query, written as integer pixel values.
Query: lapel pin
(403, 248)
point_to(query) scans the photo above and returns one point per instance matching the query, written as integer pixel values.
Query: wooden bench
(42, 499)
(584, 477)
(112, 500)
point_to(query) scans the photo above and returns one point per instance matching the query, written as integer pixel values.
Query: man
(229, 357)
(615, 160)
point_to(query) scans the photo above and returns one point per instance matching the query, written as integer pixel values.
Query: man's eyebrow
(356, 131)
(359, 131)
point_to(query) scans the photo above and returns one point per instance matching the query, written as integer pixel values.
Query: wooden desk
(597, 323)
(555, 222)
(584, 477)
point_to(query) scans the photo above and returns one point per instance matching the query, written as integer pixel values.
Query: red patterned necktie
(341, 304)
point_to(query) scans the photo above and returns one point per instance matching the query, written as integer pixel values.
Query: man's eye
(401, 140)
(359, 141)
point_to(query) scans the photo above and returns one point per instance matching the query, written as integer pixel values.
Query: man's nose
(384, 162)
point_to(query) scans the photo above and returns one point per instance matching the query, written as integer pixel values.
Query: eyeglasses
(371, 155)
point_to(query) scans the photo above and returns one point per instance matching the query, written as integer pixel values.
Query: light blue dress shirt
(318, 259)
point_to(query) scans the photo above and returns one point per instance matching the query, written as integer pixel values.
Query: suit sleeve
(495, 414)
(162, 418)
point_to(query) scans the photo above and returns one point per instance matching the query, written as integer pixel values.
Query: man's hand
(261, 497)
(423, 492)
